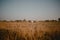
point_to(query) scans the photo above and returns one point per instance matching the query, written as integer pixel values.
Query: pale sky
(29, 9)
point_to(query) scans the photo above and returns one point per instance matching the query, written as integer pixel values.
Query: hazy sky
(29, 9)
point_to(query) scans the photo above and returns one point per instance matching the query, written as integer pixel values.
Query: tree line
(30, 20)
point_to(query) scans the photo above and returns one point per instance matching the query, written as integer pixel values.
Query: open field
(30, 30)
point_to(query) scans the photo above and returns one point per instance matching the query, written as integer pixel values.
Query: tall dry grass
(30, 31)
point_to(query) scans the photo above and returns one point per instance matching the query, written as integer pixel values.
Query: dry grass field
(25, 30)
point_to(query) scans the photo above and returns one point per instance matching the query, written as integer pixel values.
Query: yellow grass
(31, 30)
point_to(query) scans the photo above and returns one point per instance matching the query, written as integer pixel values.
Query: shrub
(24, 20)
(53, 20)
(59, 19)
(0, 21)
(34, 21)
(4, 20)
(29, 20)
(18, 20)
(46, 20)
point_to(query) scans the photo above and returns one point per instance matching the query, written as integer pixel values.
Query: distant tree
(53, 20)
(34, 21)
(4, 20)
(18, 20)
(29, 20)
(0, 21)
(24, 20)
(58, 19)
(46, 20)
(11, 21)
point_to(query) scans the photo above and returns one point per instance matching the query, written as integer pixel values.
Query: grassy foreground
(29, 31)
